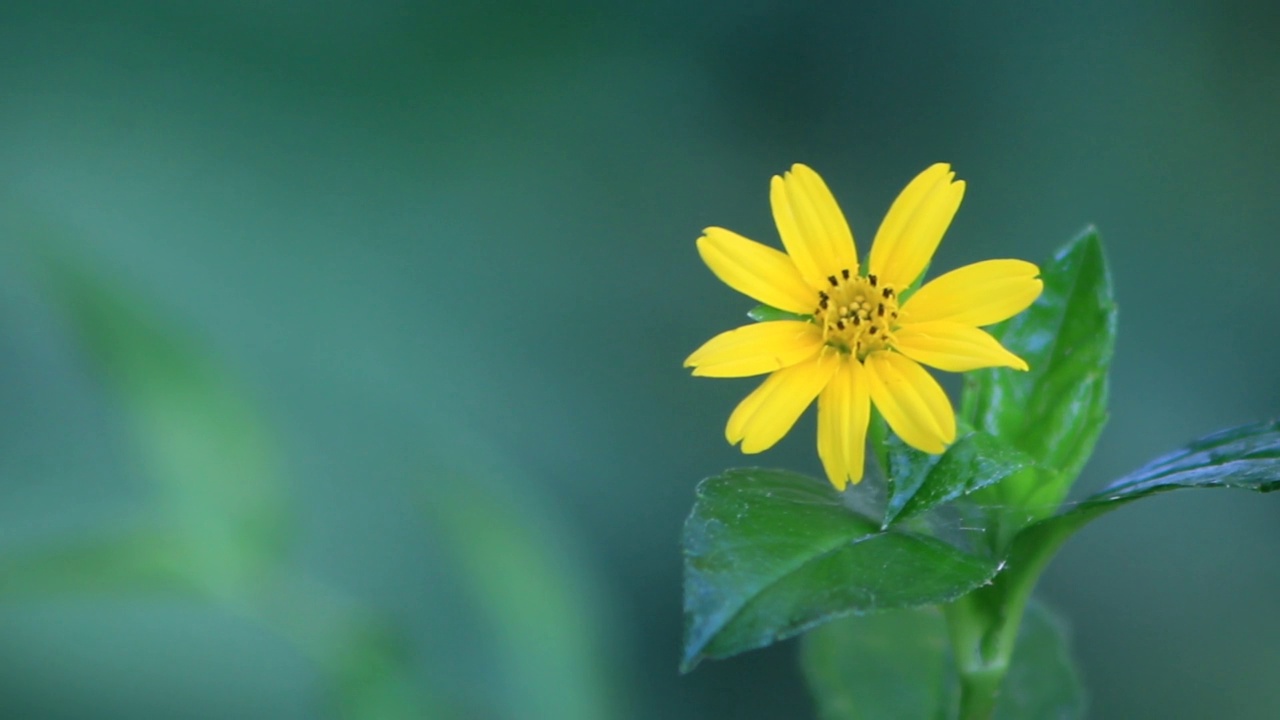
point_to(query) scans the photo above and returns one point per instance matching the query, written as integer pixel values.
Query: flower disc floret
(857, 314)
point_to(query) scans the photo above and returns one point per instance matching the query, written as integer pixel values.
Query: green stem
(983, 625)
(977, 623)
(978, 695)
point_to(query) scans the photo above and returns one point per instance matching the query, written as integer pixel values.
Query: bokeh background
(341, 341)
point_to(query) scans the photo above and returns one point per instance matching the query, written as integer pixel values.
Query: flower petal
(915, 225)
(756, 349)
(756, 270)
(844, 411)
(911, 401)
(818, 215)
(979, 294)
(812, 227)
(953, 347)
(772, 409)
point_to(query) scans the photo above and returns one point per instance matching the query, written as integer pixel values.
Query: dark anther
(872, 279)
(832, 279)
(888, 292)
(824, 302)
(873, 329)
(857, 320)
(845, 273)
(880, 310)
(822, 295)
(840, 324)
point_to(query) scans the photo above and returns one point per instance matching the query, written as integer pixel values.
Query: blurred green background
(341, 341)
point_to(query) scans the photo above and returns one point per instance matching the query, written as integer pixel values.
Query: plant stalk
(983, 625)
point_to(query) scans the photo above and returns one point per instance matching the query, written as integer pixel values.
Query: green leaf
(374, 678)
(898, 665)
(1055, 411)
(766, 313)
(367, 664)
(544, 627)
(888, 665)
(769, 554)
(1241, 457)
(1245, 457)
(906, 470)
(919, 482)
(1043, 680)
(878, 440)
(204, 446)
(134, 561)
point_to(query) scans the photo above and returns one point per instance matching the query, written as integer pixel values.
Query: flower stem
(983, 625)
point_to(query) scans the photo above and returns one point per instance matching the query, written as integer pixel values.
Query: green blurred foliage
(413, 232)
(899, 664)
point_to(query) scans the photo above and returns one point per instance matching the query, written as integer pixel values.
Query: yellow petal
(812, 227)
(756, 349)
(953, 347)
(819, 216)
(915, 225)
(773, 408)
(756, 270)
(911, 401)
(844, 411)
(979, 294)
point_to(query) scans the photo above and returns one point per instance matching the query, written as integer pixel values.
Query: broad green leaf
(1056, 410)
(766, 313)
(204, 446)
(920, 482)
(898, 665)
(1245, 457)
(769, 554)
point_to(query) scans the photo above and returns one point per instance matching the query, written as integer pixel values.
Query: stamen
(855, 313)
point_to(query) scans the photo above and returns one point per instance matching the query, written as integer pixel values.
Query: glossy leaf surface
(919, 482)
(770, 553)
(1245, 457)
(1055, 411)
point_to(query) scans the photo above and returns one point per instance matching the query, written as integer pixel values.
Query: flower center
(857, 314)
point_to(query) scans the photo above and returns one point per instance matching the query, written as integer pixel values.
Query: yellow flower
(859, 342)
